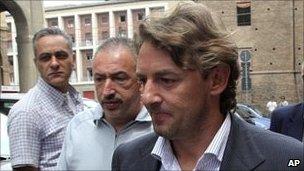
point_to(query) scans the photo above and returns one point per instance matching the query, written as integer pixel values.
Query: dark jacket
(248, 148)
(288, 120)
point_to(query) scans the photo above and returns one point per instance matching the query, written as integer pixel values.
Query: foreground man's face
(175, 98)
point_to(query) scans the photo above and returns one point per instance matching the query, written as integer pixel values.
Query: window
(122, 32)
(104, 35)
(122, 18)
(140, 16)
(88, 39)
(157, 11)
(54, 23)
(243, 13)
(89, 74)
(89, 55)
(87, 21)
(73, 39)
(104, 18)
(70, 23)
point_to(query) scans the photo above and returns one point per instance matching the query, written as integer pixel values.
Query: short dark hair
(51, 31)
(114, 42)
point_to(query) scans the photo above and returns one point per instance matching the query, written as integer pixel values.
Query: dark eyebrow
(167, 72)
(119, 72)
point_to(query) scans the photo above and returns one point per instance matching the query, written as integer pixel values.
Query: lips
(160, 117)
(111, 105)
(55, 74)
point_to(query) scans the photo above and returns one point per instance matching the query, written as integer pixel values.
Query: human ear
(219, 79)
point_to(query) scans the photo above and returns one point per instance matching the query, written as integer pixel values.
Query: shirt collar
(163, 151)
(57, 96)
(218, 143)
(143, 115)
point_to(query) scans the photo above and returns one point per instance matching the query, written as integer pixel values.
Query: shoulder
(271, 143)
(84, 117)
(142, 143)
(284, 111)
(27, 108)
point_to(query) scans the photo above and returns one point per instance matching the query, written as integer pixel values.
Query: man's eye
(45, 57)
(61, 55)
(99, 79)
(120, 78)
(167, 81)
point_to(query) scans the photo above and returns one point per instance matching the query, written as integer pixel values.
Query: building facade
(269, 36)
(88, 26)
(270, 39)
(6, 63)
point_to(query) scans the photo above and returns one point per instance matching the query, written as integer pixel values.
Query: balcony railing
(86, 43)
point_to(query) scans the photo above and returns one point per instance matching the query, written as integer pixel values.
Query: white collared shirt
(210, 160)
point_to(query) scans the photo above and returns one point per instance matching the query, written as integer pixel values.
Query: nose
(54, 62)
(150, 94)
(108, 88)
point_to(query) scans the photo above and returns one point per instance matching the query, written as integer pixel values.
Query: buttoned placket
(66, 104)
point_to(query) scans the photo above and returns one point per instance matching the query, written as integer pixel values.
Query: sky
(52, 3)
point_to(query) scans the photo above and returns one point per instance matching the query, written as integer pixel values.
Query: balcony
(86, 43)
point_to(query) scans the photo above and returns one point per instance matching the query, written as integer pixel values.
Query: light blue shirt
(211, 158)
(90, 140)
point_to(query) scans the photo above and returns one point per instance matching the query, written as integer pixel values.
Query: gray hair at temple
(194, 41)
(51, 31)
(114, 42)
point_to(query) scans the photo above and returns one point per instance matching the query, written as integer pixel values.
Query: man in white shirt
(271, 105)
(188, 71)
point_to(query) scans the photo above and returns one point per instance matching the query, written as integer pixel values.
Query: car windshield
(249, 111)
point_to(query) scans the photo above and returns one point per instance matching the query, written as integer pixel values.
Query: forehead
(153, 59)
(52, 42)
(114, 60)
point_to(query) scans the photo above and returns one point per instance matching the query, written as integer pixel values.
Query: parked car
(252, 115)
(6, 102)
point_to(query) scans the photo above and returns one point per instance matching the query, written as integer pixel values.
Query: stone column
(60, 23)
(112, 24)
(78, 54)
(130, 23)
(94, 32)
(147, 11)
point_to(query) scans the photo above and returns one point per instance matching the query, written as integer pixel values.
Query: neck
(189, 149)
(119, 121)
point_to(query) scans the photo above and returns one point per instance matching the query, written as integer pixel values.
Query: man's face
(116, 84)
(176, 99)
(54, 61)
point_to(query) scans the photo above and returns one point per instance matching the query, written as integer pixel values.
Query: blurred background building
(268, 34)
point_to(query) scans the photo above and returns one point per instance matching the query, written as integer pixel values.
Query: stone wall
(275, 40)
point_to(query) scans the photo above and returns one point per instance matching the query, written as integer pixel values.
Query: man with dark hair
(93, 135)
(188, 72)
(37, 122)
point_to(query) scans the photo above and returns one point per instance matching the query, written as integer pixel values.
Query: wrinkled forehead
(113, 60)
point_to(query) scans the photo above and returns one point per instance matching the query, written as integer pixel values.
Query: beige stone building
(270, 36)
(89, 25)
(6, 63)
